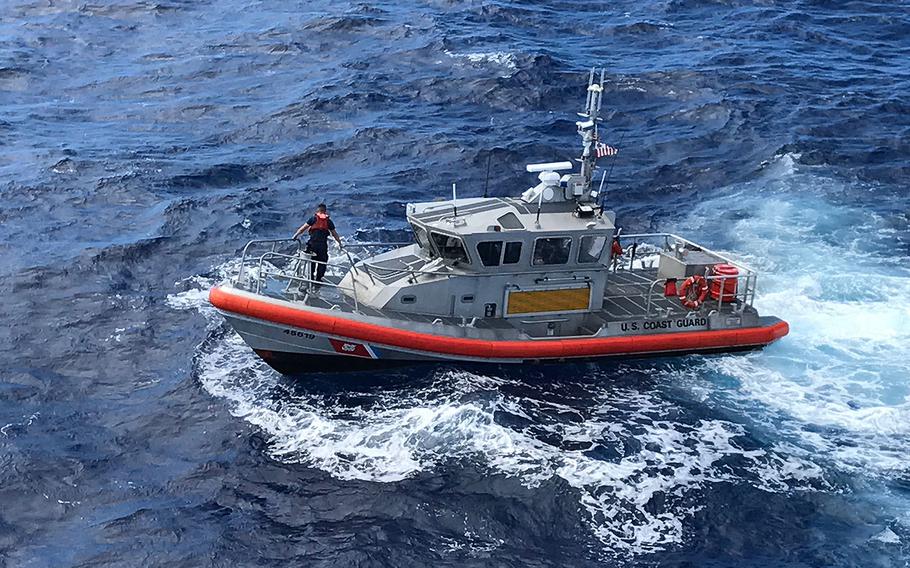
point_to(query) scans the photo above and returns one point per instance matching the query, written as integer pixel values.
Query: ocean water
(145, 142)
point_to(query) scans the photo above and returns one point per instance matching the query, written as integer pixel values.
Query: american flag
(603, 150)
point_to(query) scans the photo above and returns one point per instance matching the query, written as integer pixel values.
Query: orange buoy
(725, 275)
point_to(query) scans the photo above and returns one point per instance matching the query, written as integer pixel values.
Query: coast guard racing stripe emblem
(350, 348)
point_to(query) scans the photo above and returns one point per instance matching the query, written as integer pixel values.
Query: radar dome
(549, 178)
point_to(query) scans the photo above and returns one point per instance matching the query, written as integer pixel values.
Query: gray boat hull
(296, 339)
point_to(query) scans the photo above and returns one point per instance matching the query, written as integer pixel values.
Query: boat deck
(626, 297)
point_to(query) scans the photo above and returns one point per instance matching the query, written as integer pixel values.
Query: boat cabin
(537, 255)
(495, 235)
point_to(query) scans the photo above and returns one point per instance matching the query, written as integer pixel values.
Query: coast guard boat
(538, 278)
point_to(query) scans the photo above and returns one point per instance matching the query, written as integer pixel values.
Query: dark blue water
(144, 142)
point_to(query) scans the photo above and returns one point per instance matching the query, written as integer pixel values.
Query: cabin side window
(591, 247)
(450, 248)
(553, 250)
(489, 252)
(513, 253)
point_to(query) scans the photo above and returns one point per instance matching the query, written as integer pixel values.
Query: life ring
(693, 292)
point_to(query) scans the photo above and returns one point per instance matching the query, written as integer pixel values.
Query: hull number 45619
(303, 334)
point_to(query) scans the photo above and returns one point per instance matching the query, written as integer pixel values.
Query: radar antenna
(576, 186)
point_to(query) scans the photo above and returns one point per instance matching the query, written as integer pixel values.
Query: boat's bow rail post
(254, 250)
(268, 269)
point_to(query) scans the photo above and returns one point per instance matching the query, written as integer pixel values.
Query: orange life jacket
(616, 248)
(321, 224)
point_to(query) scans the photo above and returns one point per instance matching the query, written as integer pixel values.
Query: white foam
(406, 433)
(500, 58)
(780, 166)
(840, 378)
(27, 421)
(454, 417)
(887, 536)
(196, 290)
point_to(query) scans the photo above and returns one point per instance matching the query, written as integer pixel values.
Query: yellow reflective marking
(535, 301)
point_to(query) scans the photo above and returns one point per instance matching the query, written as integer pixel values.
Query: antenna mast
(588, 128)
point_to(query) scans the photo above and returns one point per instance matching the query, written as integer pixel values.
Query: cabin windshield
(420, 235)
(489, 252)
(513, 253)
(450, 248)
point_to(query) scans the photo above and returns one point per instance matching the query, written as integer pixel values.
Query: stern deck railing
(746, 280)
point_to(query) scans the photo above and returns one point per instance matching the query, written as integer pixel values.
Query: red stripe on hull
(486, 349)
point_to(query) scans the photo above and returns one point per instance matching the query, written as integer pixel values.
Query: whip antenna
(454, 201)
(486, 181)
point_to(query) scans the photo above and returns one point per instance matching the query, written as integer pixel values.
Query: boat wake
(636, 461)
(838, 385)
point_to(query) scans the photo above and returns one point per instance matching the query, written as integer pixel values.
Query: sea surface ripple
(145, 141)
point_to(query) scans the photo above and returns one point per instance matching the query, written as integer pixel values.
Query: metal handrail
(686, 241)
(344, 248)
(413, 272)
(268, 255)
(377, 244)
(355, 245)
(745, 293)
(742, 293)
(265, 272)
(273, 242)
(246, 251)
(321, 283)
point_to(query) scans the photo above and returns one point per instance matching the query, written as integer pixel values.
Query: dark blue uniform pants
(320, 252)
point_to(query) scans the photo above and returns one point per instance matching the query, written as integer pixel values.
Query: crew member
(616, 251)
(320, 227)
